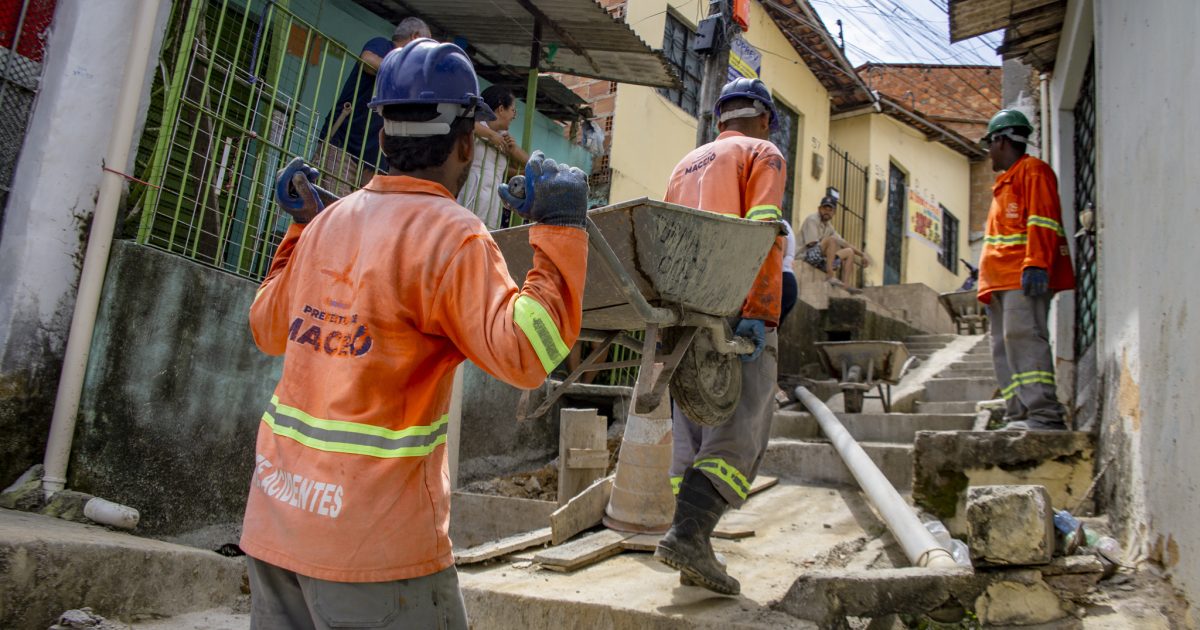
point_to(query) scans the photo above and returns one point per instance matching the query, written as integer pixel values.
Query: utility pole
(720, 25)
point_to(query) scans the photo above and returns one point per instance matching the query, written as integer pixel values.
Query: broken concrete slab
(819, 462)
(827, 597)
(1018, 600)
(479, 518)
(502, 547)
(583, 552)
(583, 511)
(1010, 525)
(49, 565)
(1072, 577)
(946, 463)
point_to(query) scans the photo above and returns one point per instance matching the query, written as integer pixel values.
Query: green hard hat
(1008, 119)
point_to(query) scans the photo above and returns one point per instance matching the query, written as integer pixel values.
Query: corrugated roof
(1031, 27)
(586, 40)
(553, 98)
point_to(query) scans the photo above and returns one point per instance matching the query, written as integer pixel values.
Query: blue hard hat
(743, 87)
(426, 72)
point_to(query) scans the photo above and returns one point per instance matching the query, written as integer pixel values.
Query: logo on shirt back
(337, 334)
(700, 163)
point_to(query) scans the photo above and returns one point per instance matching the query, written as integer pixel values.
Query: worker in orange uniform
(740, 174)
(372, 305)
(1025, 260)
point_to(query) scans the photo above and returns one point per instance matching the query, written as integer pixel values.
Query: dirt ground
(540, 484)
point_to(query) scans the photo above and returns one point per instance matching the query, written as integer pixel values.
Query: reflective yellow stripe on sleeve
(675, 481)
(540, 330)
(764, 213)
(1046, 222)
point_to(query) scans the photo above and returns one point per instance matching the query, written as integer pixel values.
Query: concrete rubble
(1009, 525)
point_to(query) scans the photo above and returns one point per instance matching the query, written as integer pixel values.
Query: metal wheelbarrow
(677, 274)
(861, 366)
(969, 315)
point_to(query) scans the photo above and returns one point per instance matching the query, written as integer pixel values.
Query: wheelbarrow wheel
(852, 400)
(707, 384)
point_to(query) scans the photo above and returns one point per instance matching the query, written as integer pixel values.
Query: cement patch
(48, 566)
(796, 528)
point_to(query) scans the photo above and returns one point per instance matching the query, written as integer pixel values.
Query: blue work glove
(756, 331)
(548, 192)
(1035, 281)
(296, 193)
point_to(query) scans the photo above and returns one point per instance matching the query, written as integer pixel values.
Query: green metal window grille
(238, 92)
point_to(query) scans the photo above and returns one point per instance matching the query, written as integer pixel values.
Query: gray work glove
(548, 192)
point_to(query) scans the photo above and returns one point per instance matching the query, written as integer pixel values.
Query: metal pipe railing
(918, 544)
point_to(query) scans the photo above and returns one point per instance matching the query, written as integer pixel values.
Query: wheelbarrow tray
(684, 259)
(967, 312)
(962, 302)
(889, 358)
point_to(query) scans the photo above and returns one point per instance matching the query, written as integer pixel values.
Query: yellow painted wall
(651, 134)
(937, 172)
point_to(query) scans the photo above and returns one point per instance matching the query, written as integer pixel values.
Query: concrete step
(954, 407)
(870, 427)
(950, 389)
(940, 339)
(48, 565)
(984, 372)
(972, 364)
(819, 462)
(924, 346)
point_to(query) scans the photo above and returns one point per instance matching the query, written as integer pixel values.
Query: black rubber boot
(686, 546)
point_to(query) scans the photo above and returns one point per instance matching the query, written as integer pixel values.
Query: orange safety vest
(743, 177)
(1024, 229)
(372, 306)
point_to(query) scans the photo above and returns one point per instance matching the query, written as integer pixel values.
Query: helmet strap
(1009, 133)
(758, 109)
(436, 126)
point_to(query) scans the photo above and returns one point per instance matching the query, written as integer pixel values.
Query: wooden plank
(735, 525)
(587, 458)
(581, 512)
(641, 542)
(580, 553)
(579, 429)
(502, 547)
(761, 482)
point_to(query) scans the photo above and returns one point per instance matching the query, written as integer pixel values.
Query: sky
(903, 31)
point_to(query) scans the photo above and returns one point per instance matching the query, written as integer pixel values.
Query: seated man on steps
(826, 250)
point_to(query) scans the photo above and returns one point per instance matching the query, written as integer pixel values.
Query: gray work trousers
(1022, 357)
(285, 600)
(729, 454)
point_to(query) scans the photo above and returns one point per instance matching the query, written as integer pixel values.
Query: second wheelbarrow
(678, 274)
(860, 366)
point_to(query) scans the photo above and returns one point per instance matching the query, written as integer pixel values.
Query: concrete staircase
(799, 451)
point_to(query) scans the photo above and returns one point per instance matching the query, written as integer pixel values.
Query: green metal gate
(238, 93)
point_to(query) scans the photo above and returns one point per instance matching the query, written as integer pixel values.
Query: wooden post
(582, 451)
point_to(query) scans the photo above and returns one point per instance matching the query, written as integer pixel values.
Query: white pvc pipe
(1044, 114)
(95, 261)
(106, 512)
(918, 544)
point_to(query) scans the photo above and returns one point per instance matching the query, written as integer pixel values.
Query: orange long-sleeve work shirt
(373, 305)
(743, 177)
(1024, 229)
